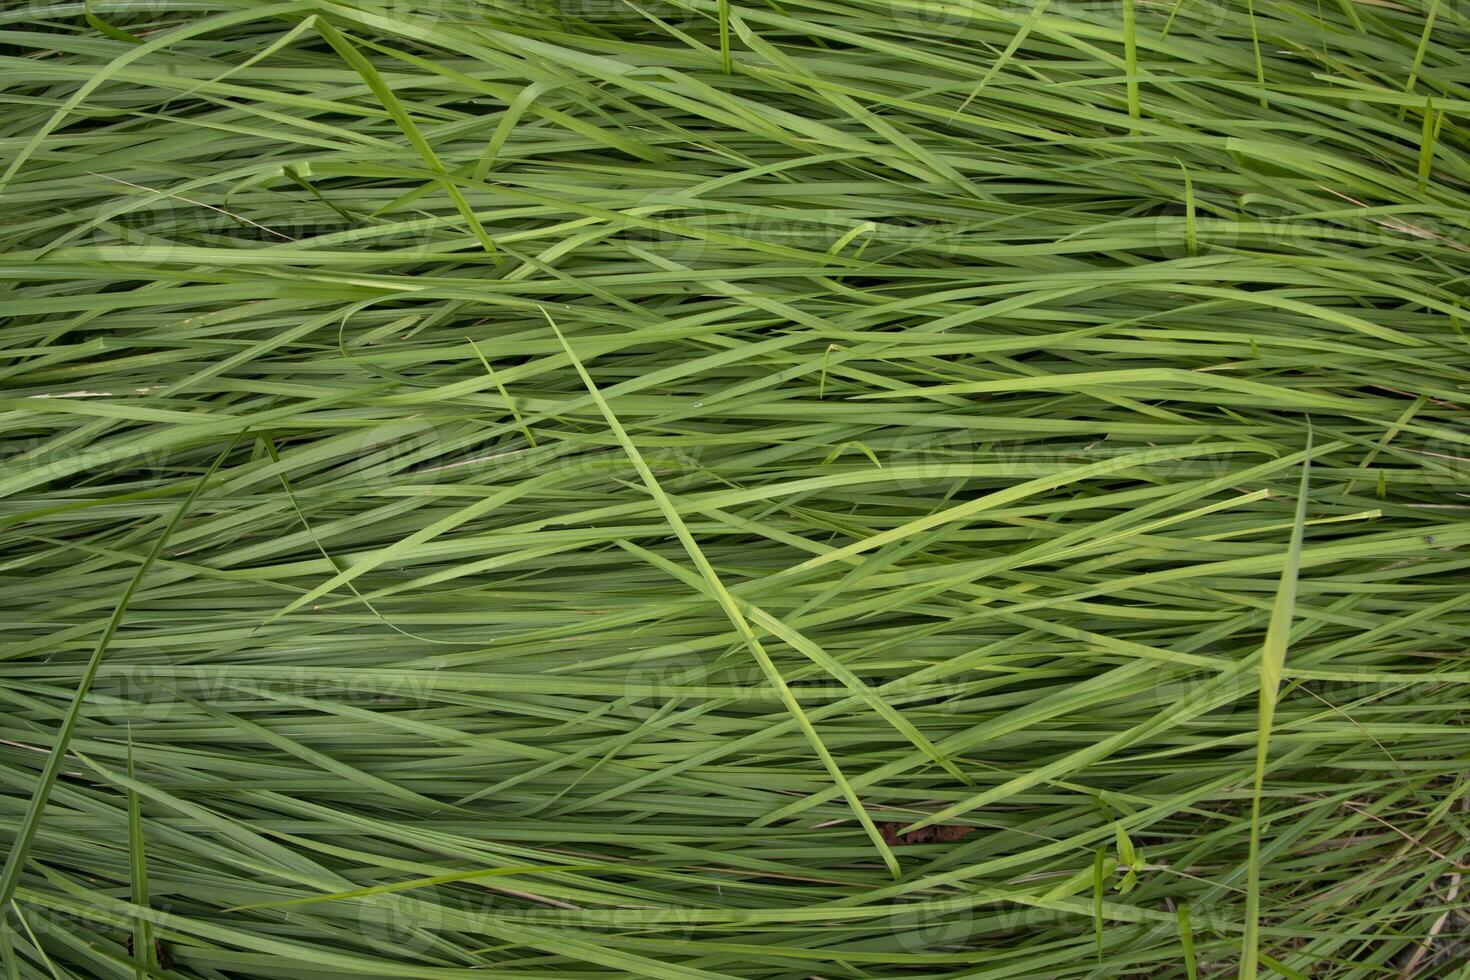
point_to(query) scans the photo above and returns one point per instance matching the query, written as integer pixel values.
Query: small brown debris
(161, 954)
(946, 833)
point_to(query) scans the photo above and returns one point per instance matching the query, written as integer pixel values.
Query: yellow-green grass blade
(1273, 665)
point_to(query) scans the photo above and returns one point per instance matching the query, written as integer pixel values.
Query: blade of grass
(1273, 664)
(15, 860)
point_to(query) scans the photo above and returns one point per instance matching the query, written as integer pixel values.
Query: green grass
(734, 489)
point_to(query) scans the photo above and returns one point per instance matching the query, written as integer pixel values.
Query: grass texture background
(700, 489)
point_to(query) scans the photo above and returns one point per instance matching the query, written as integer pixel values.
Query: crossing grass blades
(732, 488)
